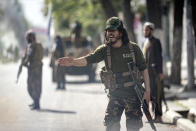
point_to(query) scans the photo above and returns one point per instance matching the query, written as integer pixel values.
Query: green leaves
(87, 12)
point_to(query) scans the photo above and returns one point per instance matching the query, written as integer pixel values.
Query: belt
(126, 84)
(121, 74)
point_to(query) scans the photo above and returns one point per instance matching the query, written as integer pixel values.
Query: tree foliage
(88, 12)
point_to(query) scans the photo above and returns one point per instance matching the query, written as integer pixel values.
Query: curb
(179, 121)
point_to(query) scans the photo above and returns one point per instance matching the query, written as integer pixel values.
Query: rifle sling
(109, 58)
(132, 52)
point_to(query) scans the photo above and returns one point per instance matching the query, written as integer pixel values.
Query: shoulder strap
(132, 51)
(109, 57)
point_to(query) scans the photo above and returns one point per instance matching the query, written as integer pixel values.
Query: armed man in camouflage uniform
(33, 61)
(153, 53)
(116, 53)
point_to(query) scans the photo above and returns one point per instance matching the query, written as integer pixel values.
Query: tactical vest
(110, 79)
(37, 55)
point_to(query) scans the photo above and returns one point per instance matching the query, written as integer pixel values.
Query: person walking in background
(59, 73)
(153, 54)
(33, 61)
(117, 51)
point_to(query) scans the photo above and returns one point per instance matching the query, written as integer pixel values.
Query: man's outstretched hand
(65, 61)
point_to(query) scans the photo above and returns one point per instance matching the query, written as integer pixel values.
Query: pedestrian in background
(116, 52)
(153, 54)
(33, 61)
(59, 73)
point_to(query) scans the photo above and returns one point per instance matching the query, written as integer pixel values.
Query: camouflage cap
(113, 23)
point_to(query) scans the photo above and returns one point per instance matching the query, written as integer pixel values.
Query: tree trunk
(154, 15)
(166, 40)
(193, 4)
(177, 43)
(160, 18)
(154, 12)
(165, 25)
(128, 19)
(108, 8)
(190, 45)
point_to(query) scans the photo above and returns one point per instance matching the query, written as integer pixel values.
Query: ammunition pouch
(109, 80)
(138, 76)
(112, 81)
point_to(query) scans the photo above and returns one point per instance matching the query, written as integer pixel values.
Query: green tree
(129, 18)
(10, 49)
(66, 12)
(16, 54)
(108, 8)
(91, 13)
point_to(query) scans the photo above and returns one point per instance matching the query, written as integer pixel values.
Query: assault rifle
(140, 92)
(19, 70)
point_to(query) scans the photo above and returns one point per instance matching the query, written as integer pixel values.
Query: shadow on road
(57, 111)
(164, 123)
(179, 93)
(82, 82)
(86, 91)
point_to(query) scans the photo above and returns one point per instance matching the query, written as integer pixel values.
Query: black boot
(31, 105)
(58, 86)
(36, 105)
(63, 86)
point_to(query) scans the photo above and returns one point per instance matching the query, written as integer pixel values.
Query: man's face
(30, 38)
(147, 32)
(113, 36)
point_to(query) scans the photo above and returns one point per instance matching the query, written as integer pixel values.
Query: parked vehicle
(82, 48)
(76, 46)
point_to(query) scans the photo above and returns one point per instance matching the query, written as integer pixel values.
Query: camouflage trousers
(114, 111)
(34, 82)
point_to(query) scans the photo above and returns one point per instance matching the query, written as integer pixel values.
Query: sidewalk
(182, 105)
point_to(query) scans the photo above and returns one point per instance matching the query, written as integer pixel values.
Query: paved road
(80, 108)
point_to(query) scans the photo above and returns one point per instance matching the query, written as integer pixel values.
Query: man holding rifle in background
(33, 61)
(153, 53)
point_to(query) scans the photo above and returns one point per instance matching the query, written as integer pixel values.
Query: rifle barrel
(148, 116)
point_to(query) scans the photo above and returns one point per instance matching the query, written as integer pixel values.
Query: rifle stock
(19, 70)
(140, 92)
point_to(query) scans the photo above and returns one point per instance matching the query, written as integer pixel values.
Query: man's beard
(148, 35)
(109, 42)
(29, 41)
